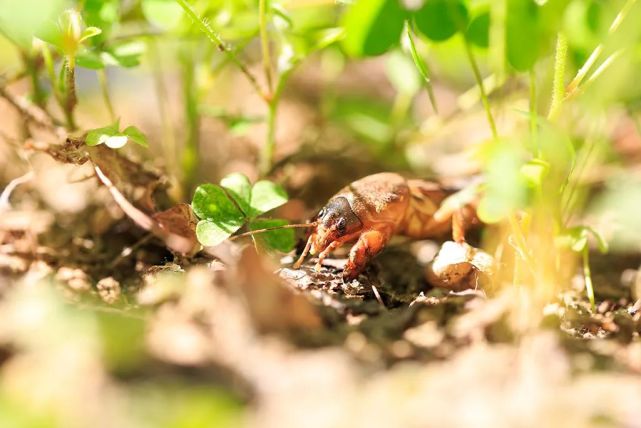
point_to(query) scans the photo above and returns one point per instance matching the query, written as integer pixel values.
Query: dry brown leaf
(179, 220)
(272, 303)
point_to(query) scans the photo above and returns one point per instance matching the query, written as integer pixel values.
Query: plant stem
(587, 276)
(558, 84)
(479, 82)
(267, 155)
(31, 67)
(104, 87)
(190, 99)
(69, 73)
(264, 43)
(215, 38)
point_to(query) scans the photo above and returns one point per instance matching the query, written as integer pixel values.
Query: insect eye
(321, 213)
(341, 224)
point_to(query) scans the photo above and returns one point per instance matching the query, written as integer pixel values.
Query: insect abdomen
(425, 199)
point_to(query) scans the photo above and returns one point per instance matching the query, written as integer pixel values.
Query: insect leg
(368, 245)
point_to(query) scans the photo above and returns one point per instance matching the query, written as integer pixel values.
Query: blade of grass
(421, 65)
(585, 68)
(587, 276)
(479, 82)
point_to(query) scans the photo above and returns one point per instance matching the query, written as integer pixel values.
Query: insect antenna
(269, 229)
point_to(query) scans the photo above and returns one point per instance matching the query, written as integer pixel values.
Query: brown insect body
(373, 209)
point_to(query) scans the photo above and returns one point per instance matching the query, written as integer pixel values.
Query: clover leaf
(223, 209)
(220, 217)
(266, 196)
(113, 138)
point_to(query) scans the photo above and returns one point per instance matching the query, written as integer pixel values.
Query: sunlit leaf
(478, 32)
(372, 27)
(220, 217)
(94, 136)
(135, 135)
(165, 14)
(90, 32)
(21, 20)
(240, 188)
(212, 203)
(211, 233)
(266, 196)
(90, 60)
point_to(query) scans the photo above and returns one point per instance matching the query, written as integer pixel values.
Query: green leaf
(601, 243)
(579, 238)
(90, 32)
(280, 240)
(103, 14)
(210, 233)
(478, 33)
(165, 14)
(240, 189)
(136, 136)
(94, 135)
(219, 215)
(125, 54)
(266, 196)
(576, 238)
(441, 19)
(534, 171)
(522, 36)
(21, 20)
(372, 27)
(210, 202)
(90, 60)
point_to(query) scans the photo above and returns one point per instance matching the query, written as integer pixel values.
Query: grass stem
(479, 82)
